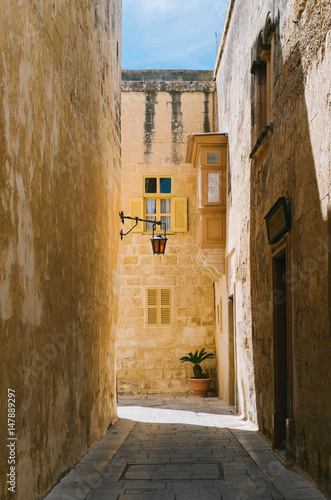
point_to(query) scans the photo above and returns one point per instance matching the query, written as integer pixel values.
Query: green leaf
(197, 357)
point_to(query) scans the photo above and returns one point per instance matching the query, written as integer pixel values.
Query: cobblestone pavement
(178, 448)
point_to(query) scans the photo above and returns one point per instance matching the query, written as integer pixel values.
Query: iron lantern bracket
(137, 219)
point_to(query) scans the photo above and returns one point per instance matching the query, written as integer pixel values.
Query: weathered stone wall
(233, 86)
(295, 163)
(157, 115)
(59, 199)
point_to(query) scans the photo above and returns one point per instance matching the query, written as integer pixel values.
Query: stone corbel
(265, 51)
(263, 142)
(212, 263)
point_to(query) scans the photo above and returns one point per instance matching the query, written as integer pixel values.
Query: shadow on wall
(297, 373)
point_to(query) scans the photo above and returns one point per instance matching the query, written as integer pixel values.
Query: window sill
(263, 141)
(149, 233)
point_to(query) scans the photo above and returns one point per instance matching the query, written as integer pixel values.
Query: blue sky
(171, 34)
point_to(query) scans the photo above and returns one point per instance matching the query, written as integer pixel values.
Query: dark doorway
(232, 377)
(280, 351)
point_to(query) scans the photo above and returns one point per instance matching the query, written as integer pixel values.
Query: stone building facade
(273, 85)
(159, 109)
(59, 200)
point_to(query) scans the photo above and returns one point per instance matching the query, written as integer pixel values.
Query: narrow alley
(177, 448)
(163, 206)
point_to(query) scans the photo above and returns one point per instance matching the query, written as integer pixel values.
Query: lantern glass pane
(155, 246)
(162, 245)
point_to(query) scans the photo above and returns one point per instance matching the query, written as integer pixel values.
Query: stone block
(131, 260)
(189, 332)
(153, 375)
(174, 374)
(137, 302)
(147, 342)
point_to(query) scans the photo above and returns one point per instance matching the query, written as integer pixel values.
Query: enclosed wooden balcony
(208, 153)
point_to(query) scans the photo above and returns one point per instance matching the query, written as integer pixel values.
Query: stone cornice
(142, 86)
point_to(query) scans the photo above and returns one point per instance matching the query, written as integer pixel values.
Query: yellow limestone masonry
(59, 233)
(159, 109)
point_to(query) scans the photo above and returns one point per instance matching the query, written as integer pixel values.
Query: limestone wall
(59, 194)
(295, 163)
(157, 115)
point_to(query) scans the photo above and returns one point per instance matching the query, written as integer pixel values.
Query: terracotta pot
(200, 386)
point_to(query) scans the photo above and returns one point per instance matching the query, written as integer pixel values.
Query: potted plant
(200, 382)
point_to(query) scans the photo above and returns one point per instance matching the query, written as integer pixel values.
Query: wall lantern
(158, 242)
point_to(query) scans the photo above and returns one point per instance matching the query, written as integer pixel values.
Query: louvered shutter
(165, 305)
(152, 307)
(158, 307)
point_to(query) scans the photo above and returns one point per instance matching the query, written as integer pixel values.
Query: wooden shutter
(152, 307)
(179, 214)
(165, 306)
(158, 307)
(137, 210)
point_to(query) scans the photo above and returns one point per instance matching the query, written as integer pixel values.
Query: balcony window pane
(213, 188)
(213, 158)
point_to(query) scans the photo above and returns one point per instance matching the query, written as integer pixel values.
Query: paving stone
(188, 493)
(142, 484)
(110, 488)
(166, 460)
(102, 496)
(147, 496)
(64, 495)
(301, 493)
